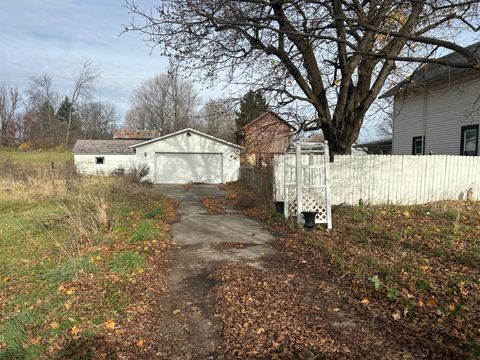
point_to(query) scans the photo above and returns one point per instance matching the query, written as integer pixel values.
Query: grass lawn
(36, 157)
(411, 272)
(70, 252)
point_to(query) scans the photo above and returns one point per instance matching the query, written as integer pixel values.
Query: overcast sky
(56, 37)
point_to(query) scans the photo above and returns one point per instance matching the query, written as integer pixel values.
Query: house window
(99, 160)
(469, 141)
(418, 145)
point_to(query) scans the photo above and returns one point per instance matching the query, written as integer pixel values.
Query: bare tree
(9, 103)
(217, 118)
(165, 103)
(98, 120)
(41, 103)
(385, 127)
(335, 55)
(82, 90)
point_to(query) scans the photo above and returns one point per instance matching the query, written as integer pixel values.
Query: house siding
(437, 113)
(85, 163)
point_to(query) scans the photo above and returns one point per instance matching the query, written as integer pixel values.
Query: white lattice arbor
(306, 181)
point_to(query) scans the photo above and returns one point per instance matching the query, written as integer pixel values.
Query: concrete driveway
(202, 241)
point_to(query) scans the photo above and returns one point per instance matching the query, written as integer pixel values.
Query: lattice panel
(292, 200)
(314, 200)
(311, 168)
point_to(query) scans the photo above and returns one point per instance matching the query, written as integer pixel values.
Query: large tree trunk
(341, 134)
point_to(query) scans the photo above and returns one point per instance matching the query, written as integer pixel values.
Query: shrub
(136, 175)
(59, 148)
(126, 262)
(24, 147)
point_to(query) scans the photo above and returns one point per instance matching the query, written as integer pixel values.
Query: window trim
(414, 139)
(462, 139)
(97, 158)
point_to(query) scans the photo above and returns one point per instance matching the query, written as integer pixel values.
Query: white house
(177, 158)
(95, 157)
(437, 110)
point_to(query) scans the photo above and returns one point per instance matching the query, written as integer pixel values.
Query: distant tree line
(44, 118)
(168, 103)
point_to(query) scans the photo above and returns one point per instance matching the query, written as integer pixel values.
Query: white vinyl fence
(397, 179)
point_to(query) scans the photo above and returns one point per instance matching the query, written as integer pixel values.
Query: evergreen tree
(64, 109)
(252, 105)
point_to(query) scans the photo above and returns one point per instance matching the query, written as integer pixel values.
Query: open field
(36, 157)
(73, 251)
(393, 281)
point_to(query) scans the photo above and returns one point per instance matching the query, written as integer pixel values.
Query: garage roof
(118, 147)
(184, 131)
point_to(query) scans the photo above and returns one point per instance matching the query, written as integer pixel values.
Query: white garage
(188, 156)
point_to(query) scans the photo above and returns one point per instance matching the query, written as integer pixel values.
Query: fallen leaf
(432, 302)
(396, 315)
(68, 304)
(70, 291)
(140, 343)
(75, 330)
(110, 324)
(54, 325)
(365, 301)
(5, 279)
(260, 330)
(176, 311)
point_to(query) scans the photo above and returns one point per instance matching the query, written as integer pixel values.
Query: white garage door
(181, 168)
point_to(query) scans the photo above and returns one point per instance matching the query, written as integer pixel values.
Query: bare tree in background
(41, 103)
(385, 127)
(98, 120)
(334, 55)
(9, 103)
(82, 90)
(217, 118)
(165, 102)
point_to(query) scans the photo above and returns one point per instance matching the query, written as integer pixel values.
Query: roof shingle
(118, 147)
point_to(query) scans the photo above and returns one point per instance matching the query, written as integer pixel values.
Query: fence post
(326, 160)
(298, 168)
(285, 187)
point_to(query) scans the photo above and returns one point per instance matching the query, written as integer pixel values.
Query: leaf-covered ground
(83, 261)
(386, 282)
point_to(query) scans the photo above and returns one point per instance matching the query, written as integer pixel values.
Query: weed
(423, 285)
(86, 219)
(13, 334)
(154, 213)
(70, 269)
(126, 262)
(473, 347)
(392, 294)
(136, 175)
(144, 231)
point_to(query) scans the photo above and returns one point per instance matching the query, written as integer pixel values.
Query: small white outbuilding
(185, 156)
